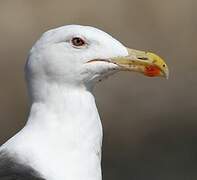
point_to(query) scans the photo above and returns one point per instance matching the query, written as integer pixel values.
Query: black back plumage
(11, 169)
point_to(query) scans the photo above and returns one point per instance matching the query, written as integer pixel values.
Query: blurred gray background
(150, 124)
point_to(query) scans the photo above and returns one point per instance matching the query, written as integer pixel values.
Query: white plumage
(63, 136)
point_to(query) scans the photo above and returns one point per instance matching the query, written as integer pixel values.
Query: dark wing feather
(10, 169)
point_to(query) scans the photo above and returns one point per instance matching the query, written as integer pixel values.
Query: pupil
(78, 42)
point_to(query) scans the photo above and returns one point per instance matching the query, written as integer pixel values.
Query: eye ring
(78, 42)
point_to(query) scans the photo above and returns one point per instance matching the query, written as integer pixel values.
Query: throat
(69, 115)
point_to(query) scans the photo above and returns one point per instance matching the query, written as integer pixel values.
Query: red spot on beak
(152, 71)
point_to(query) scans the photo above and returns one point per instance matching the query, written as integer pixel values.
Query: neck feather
(67, 112)
(63, 132)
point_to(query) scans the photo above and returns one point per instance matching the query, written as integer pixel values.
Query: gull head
(82, 55)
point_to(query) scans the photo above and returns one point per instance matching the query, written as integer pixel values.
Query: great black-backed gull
(62, 138)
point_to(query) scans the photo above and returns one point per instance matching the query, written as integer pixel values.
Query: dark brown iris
(76, 41)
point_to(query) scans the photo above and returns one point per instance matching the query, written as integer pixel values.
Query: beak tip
(166, 77)
(167, 74)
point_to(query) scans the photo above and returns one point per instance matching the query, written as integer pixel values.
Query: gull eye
(76, 41)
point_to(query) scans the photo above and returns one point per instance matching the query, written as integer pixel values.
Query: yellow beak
(147, 63)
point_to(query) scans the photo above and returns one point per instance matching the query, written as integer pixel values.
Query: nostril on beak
(143, 58)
